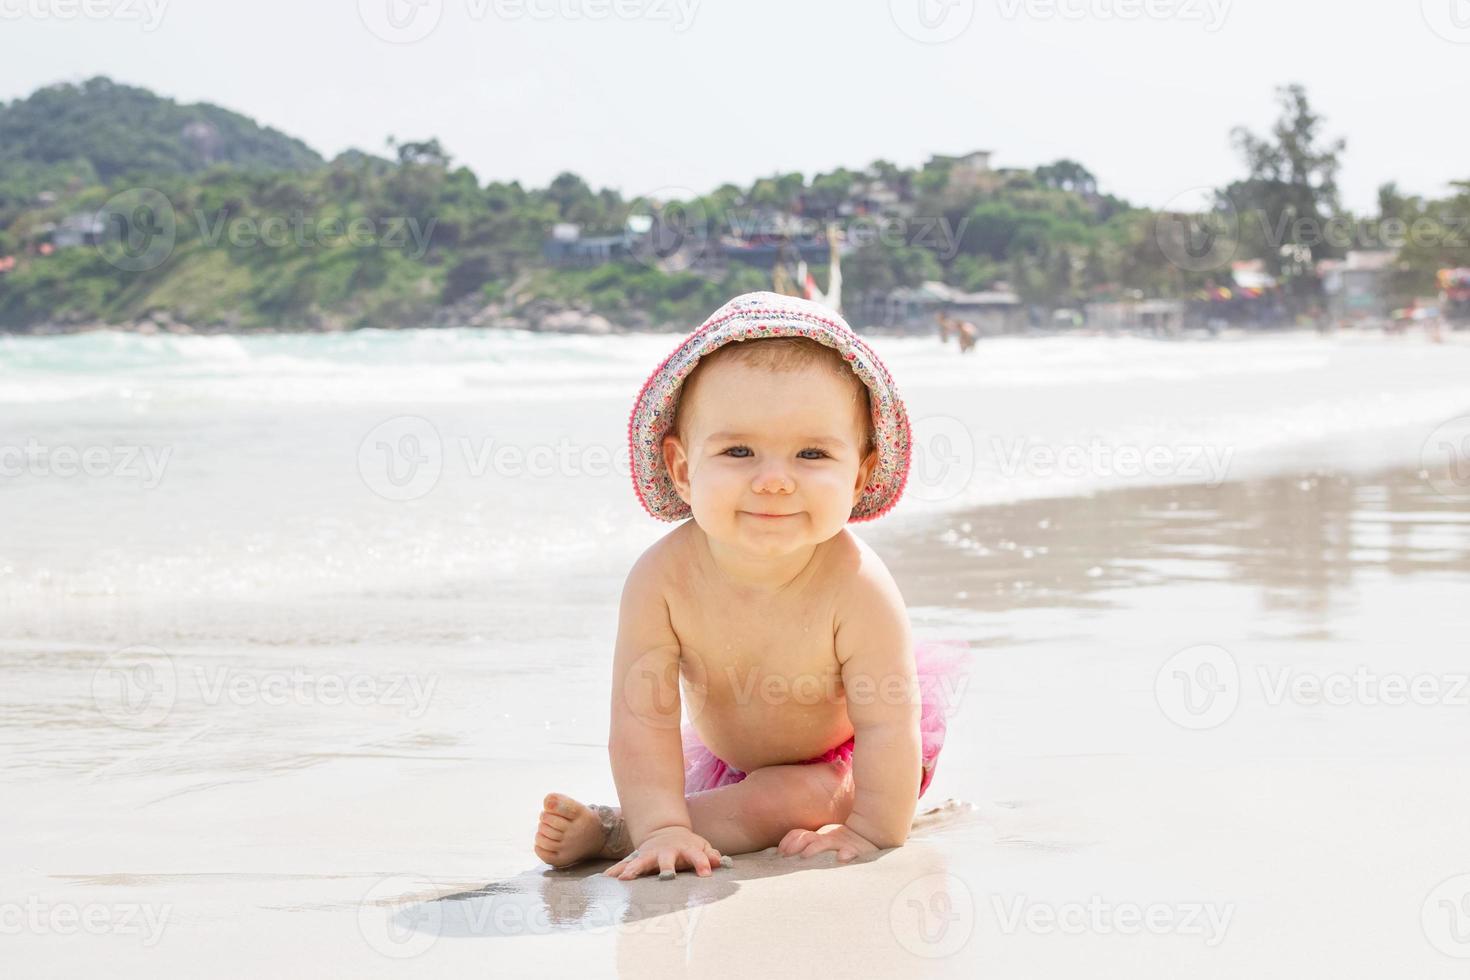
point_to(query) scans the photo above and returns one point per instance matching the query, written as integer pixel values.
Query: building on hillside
(567, 248)
(992, 312)
(81, 228)
(969, 173)
(875, 197)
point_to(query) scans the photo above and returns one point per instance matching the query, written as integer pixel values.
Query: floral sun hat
(749, 317)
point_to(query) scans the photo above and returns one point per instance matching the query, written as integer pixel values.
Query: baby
(808, 724)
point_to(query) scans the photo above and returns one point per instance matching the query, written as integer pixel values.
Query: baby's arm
(644, 742)
(874, 648)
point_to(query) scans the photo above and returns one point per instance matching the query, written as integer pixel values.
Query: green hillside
(109, 130)
(121, 207)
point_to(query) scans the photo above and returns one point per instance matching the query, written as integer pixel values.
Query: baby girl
(812, 720)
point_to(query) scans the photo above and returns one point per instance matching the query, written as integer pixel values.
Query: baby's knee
(834, 788)
(802, 796)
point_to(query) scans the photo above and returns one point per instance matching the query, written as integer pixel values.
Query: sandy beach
(1213, 727)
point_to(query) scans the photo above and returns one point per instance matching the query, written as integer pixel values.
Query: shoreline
(578, 323)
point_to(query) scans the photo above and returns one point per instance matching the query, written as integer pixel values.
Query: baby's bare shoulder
(664, 565)
(859, 577)
(871, 620)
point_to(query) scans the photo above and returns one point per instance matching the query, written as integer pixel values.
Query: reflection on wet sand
(584, 899)
(1301, 540)
(682, 927)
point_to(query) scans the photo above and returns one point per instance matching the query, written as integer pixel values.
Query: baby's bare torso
(761, 681)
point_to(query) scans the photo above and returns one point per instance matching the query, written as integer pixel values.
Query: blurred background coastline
(122, 209)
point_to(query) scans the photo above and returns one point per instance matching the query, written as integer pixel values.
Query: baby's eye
(821, 453)
(737, 450)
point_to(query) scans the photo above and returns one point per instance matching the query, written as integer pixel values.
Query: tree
(1290, 193)
(779, 191)
(1068, 175)
(1393, 205)
(1435, 235)
(574, 200)
(876, 267)
(426, 152)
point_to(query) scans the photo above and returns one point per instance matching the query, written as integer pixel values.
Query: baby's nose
(774, 479)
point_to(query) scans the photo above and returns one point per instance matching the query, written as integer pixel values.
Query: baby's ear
(676, 461)
(865, 473)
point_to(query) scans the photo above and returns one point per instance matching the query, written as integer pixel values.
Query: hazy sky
(647, 95)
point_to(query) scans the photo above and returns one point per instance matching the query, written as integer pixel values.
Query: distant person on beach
(963, 330)
(814, 720)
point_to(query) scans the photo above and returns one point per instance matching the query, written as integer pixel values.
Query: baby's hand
(838, 837)
(666, 850)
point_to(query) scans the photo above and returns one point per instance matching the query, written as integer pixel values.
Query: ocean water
(226, 485)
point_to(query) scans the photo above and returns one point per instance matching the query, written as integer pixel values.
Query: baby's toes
(562, 807)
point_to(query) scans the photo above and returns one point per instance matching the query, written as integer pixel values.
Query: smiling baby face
(772, 444)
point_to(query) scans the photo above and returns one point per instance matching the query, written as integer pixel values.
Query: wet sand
(1209, 732)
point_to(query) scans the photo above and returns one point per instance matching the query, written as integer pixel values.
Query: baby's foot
(570, 832)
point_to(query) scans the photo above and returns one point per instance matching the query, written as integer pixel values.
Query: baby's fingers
(817, 846)
(699, 861)
(631, 866)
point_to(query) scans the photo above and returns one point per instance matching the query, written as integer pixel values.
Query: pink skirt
(938, 663)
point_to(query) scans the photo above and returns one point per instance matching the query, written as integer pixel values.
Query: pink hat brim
(748, 317)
